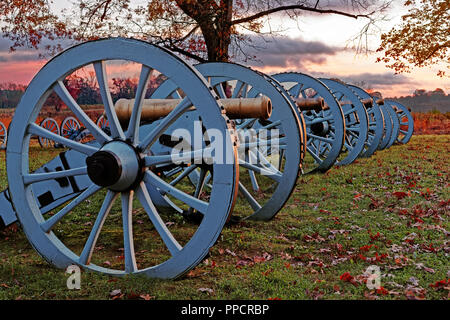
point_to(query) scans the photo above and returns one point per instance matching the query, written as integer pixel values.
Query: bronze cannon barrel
(379, 102)
(305, 104)
(152, 109)
(368, 103)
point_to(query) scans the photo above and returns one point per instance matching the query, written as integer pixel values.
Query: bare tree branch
(299, 7)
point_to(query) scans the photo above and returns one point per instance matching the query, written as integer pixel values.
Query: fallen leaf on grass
(207, 290)
(399, 194)
(347, 277)
(440, 284)
(146, 297)
(116, 294)
(420, 266)
(413, 281)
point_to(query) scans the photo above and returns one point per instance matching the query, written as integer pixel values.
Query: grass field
(391, 210)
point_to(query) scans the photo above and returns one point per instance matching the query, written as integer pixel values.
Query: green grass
(390, 210)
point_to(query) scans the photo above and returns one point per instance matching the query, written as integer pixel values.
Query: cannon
(324, 128)
(120, 166)
(277, 170)
(395, 124)
(70, 127)
(406, 121)
(3, 135)
(388, 125)
(51, 125)
(356, 121)
(102, 122)
(132, 160)
(376, 121)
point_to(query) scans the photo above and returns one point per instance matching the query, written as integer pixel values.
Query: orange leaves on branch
(422, 38)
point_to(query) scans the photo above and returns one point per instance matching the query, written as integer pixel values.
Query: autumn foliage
(431, 123)
(422, 38)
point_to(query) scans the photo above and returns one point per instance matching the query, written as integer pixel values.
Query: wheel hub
(117, 166)
(320, 128)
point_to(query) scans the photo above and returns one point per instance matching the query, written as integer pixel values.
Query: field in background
(391, 210)
(431, 122)
(93, 111)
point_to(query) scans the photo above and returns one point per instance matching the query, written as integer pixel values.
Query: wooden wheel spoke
(144, 198)
(53, 220)
(133, 126)
(314, 155)
(165, 123)
(61, 90)
(197, 204)
(38, 177)
(251, 200)
(88, 248)
(114, 124)
(185, 157)
(127, 222)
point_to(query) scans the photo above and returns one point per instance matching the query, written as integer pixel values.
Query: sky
(319, 45)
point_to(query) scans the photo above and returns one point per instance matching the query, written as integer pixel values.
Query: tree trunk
(214, 23)
(217, 44)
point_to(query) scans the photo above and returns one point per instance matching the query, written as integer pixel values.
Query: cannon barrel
(152, 109)
(316, 104)
(368, 103)
(379, 102)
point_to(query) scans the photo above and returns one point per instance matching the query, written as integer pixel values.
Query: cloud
(20, 55)
(284, 52)
(371, 80)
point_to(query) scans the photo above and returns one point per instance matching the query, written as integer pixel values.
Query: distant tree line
(422, 100)
(10, 94)
(83, 89)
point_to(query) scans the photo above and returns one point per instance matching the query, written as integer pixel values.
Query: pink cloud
(19, 72)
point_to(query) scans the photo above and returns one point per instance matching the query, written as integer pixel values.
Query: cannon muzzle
(316, 104)
(153, 109)
(368, 103)
(380, 102)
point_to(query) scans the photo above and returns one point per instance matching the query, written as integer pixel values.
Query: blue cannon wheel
(102, 122)
(395, 123)
(177, 250)
(406, 122)
(324, 129)
(3, 135)
(69, 127)
(376, 123)
(286, 93)
(388, 127)
(356, 121)
(266, 179)
(51, 125)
